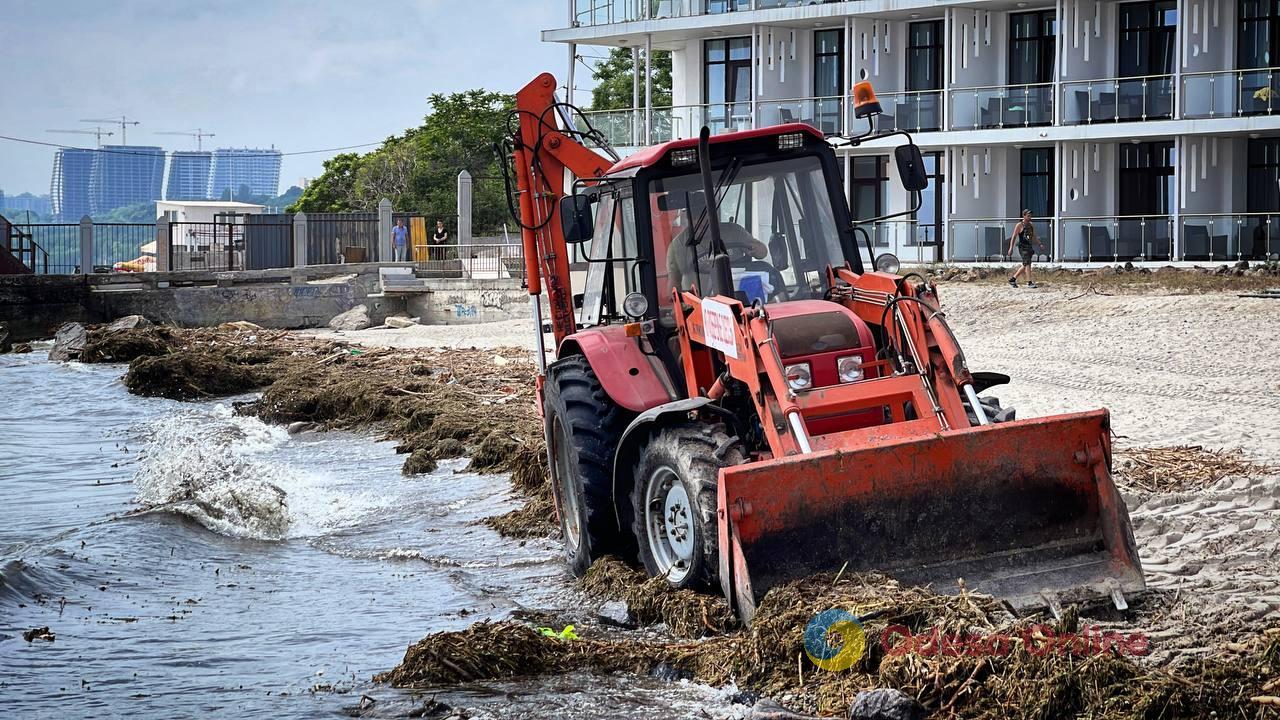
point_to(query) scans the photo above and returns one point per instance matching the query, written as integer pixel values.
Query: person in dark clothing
(1024, 237)
(439, 239)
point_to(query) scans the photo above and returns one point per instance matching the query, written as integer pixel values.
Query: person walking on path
(440, 239)
(1024, 236)
(400, 241)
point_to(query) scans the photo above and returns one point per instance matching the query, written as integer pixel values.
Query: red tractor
(738, 400)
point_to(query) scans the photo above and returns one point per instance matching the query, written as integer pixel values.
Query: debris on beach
(651, 601)
(1183, 468)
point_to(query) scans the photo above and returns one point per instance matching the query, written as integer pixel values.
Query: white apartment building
(1143, 130)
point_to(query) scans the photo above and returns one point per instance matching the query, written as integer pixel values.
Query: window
(613, 268)
(870, 187)
(727, 82)
(1264, 175)
(1258, 42)
(1147, 38)
(1261, 240)
(776, 220)
(929, 217)
(924, 55)
(1037, 182)
(828, 63)
(1146, 178)
(1032, 45)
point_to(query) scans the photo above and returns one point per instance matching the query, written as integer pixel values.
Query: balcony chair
(1097, 241)
(1197, 244)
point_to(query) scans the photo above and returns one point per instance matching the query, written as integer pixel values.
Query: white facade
(1134, 130)
(204, 211)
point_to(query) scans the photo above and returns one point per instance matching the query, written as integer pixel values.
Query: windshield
(776, 221)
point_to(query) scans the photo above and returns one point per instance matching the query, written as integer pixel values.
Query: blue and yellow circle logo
(823, 629)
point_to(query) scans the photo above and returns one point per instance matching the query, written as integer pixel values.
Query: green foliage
(245, 195)
(334, 190)
(418, 171)
(613, 76)
(144, 212)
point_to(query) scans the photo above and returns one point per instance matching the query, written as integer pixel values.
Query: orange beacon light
(865, 103)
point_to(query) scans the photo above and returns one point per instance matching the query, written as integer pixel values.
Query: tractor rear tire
(583, 427)
(675, 502)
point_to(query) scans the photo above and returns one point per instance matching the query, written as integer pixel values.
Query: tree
(418, 171)
(614, 77)
(334, 190)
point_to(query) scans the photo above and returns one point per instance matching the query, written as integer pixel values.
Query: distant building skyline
(125, 175)
(233, 168)
(38, 204)
(189, 174)
(69, 187)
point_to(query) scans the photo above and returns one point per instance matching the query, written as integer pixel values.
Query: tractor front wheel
(675, 502)
(583, 428)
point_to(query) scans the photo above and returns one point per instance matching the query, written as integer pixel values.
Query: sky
(293, 74)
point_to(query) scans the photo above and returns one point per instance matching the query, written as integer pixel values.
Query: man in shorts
(1024, 236)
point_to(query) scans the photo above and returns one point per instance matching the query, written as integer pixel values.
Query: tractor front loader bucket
(1025, 511)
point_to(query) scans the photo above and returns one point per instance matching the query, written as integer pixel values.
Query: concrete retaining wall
(34, 306)
(462, 302)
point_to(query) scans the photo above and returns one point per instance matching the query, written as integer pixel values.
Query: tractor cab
(781, 213)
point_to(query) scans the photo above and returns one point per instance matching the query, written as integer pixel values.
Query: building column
(384, 231)
(635, 95)
(86, 245)
(648, 86)
(846, 92)
(163, 244)
(573, 62)
(300, 240)
(464, 208)
(1179, 194)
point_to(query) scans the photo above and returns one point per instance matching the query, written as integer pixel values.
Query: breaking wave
(206, 464)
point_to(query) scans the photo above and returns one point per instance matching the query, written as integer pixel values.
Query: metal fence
(242, 242)
(487, 261)
(54, 248)
(117, 246)
(345, 237)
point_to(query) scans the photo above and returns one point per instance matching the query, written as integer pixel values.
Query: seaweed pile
(437, 403)
(1182, 468)
(916, 641)
(651, 601)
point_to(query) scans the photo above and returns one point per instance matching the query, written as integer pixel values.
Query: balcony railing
(1250, 236)
(1231, 93)
(605, 12)
(626, 128)
(823, 113)
(917, 111)
(1117, 100)
(987, 239)
(1118, 238)
(911, 241)
(1001, 106)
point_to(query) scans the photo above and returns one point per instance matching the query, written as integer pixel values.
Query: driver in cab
(681, 269)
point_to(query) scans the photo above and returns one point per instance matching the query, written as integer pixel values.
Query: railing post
(163, 245)
(464, 208)
(384, 230)
(300, 239)
(86, 245)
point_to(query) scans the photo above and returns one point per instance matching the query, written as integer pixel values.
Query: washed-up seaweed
(1183, 468)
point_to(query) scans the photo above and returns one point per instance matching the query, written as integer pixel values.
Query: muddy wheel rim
(564, 477)
(669, 525)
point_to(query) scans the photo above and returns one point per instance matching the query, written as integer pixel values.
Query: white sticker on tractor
(718, 327)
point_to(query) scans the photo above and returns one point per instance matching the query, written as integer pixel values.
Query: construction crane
(98, 132)
(199, 134)
(122, 121)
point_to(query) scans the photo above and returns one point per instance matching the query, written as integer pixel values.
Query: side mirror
(575, 218)
(911, 167)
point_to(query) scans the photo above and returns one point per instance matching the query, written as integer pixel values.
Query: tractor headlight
(635, 305)
(850, 368)
(798, 376)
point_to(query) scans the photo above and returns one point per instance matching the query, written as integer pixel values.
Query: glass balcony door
(727, 83)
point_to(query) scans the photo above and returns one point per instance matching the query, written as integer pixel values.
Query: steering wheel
(775, 277)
